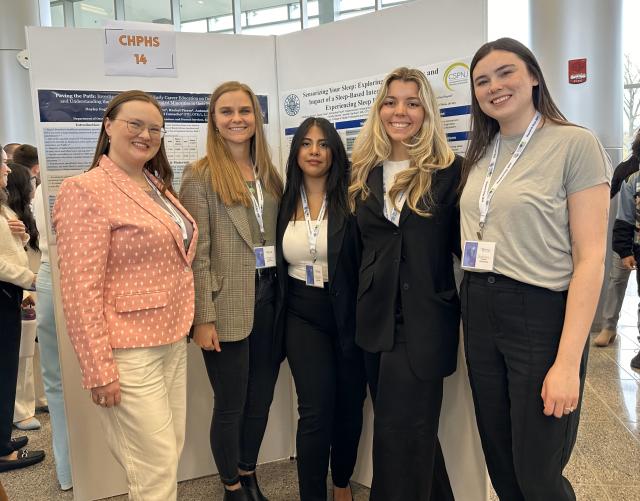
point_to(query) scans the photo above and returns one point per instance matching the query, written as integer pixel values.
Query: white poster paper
(346, 104)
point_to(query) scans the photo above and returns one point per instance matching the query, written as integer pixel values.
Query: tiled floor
(605, 465)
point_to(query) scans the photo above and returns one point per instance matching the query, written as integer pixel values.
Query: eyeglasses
(136, 127)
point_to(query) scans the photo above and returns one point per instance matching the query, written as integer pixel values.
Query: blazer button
(491, 280)
(405, 286)
(396, 233)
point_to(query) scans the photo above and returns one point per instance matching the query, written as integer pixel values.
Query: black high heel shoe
(236, 495)
(250, 485)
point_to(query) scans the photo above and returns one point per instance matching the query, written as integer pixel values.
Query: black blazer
(344, 251)
(411, 263)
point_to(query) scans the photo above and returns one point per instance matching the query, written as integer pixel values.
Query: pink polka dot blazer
(125, 276)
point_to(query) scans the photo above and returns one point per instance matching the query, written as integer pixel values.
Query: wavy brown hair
(483, 127)
(223, 171)
(159, 165)
(428, 149)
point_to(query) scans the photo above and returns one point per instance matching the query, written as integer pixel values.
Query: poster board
(69, 61)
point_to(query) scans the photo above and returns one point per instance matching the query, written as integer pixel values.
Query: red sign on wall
(577, 71)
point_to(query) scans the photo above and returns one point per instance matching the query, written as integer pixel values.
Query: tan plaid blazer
(224, 267)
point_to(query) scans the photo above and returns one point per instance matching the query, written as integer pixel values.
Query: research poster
(346, 104)
(70, 121)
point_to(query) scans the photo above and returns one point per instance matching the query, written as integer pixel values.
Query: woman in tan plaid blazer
(233, 194)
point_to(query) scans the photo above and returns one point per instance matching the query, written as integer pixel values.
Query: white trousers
(146, 431)
(29, 390)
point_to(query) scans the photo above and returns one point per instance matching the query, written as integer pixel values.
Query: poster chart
(71, 121)
(346, 104)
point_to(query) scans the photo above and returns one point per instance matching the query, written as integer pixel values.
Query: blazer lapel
(129, 188)
(374, 181)
(335, 237)
(238, 215)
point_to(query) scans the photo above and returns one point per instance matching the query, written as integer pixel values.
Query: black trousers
(10, 330)
(331, 388)
(243, 377)
(407, 458)
(512, 332)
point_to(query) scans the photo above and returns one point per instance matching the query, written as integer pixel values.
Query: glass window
(392, 3)
(148, 11)
(196, 10)
(631, 75)
(270, 17)
(194, 26)
(57, 14)
(93, 13)
(351, 8)
(273, 29)
(221, 24)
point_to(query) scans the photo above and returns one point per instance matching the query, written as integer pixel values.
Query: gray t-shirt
(529, 217)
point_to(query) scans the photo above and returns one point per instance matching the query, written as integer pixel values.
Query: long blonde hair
(224, 173)
(428, 150)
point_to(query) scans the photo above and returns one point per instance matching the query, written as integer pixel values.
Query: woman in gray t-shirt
(533, 215)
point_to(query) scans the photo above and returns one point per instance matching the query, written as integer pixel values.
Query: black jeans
(331, 388)
(243, 377)
(10, 330)
(407, 458)
(512, 332)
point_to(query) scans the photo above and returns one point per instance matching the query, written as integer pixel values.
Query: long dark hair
(159, 164)
(483, 127)
(337, 179)
(20, 195)
(635, 146)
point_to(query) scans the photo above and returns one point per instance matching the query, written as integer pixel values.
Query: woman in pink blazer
(126, 246)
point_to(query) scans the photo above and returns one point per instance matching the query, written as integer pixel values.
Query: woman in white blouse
(318, 256)
(15, 276)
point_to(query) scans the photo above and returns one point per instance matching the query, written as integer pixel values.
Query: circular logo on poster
(455, 75)
(292, 105)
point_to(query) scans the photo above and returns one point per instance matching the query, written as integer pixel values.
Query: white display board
(67, 60)
(423, 33)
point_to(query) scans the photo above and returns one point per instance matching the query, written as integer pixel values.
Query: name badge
(314, 275)
(265, 256)
(478, 255)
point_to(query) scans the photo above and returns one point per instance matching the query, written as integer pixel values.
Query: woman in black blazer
(403, 191)
(317, 256)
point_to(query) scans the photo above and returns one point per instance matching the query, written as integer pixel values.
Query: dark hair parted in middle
(159, 165)
(21, 193)
(484, 127)
(337, 178)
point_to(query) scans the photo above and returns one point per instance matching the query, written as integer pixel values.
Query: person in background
(535, 203)
(619, 274)
(403, 191)
(48, 346)
(318, 256)
(21, 192)
(9, 149)
(125, 246)
(27, 155)
(15, 276)
(626, 236)
(233, 193)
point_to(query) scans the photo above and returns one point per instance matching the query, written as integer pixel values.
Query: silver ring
(569, 409)
(102, 400)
